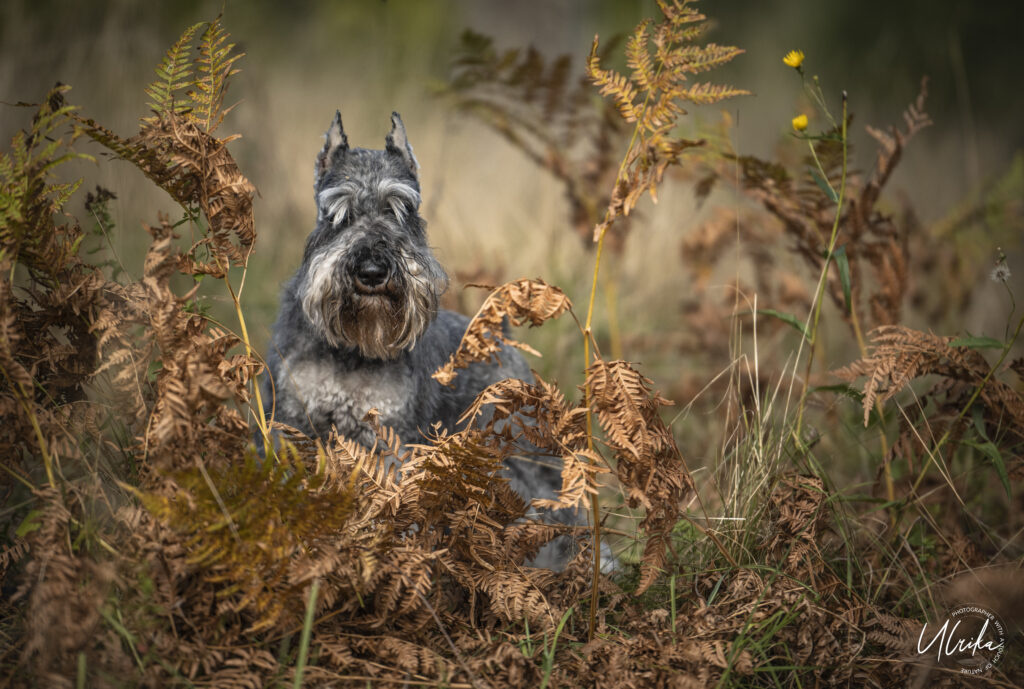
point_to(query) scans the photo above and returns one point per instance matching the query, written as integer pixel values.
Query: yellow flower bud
(800, 123)
(794, 58)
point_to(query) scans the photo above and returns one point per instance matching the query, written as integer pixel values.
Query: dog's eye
(342, 220)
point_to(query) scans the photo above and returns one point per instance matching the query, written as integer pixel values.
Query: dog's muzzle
(373, 271)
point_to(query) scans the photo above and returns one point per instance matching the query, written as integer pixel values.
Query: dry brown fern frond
(628, 412)
(521, 301)
(65, 593)
(891, 148)
(519, 594)
(10, 554)
(462, 469)
(797, 519)
(540, 415)
(900, 354)
(660, 56)
(466, 506)
(189, 416)
(967, 406)
(649, 466)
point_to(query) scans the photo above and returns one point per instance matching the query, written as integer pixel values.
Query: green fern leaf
(215, 65)
(173, 74)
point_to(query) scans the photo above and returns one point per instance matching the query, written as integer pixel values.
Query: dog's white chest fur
(327, 395)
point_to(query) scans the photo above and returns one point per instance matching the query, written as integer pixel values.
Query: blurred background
(494, 215)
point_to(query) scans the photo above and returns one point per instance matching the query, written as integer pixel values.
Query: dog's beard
(381, 325)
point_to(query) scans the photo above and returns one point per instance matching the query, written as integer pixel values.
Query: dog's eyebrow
(335, 202)
(399, 196)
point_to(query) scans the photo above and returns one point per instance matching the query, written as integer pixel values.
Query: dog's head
(369, 281)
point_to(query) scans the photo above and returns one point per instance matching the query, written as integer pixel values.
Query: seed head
(1001, 271)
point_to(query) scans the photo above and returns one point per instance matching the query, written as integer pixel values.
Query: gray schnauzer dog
(359, 325)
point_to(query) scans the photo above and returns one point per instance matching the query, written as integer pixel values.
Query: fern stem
(81, 671)
(595, 503)
(260, 418)
(587, 336)
(611, 294)
(819, 295)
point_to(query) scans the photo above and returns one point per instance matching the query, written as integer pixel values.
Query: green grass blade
(787, 318)
(825, 186)
(307, 629)
(549, 656)
(977, 343)
(80, 674)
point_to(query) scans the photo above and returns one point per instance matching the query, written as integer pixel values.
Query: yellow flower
(794, 58)
(800, 123)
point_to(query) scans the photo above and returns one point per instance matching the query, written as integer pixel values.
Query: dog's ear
(336, 142)
(398, 144)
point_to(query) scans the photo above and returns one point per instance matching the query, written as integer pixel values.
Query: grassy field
(839, 473)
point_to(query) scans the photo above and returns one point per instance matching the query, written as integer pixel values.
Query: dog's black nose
(372, 272)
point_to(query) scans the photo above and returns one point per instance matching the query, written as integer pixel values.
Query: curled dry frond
(892, 144)
(796, 510)
(519, 302)
(197, 377)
